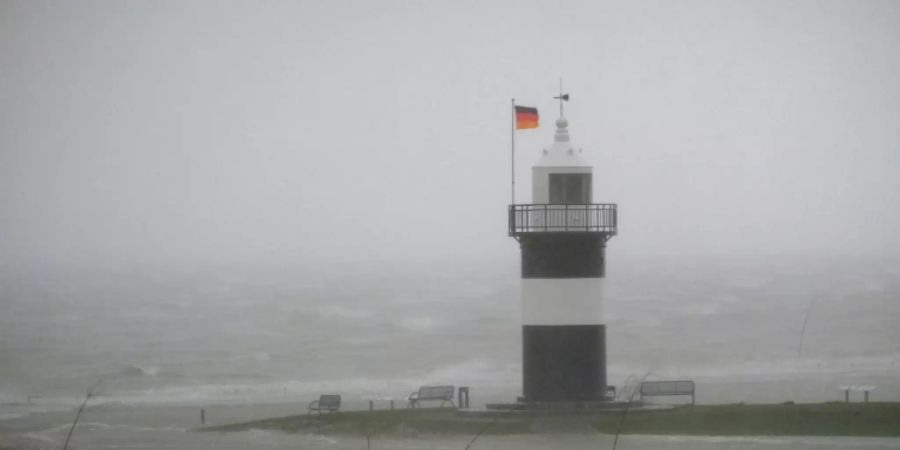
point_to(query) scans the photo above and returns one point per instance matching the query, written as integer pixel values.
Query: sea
(156, 345)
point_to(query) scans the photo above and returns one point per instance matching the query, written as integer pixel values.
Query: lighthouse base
(562, 408)
(564, 363)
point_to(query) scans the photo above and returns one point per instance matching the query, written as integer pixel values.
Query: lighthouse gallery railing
(554, 218)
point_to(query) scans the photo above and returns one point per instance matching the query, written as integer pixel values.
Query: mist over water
(243, 336)
(239, 336)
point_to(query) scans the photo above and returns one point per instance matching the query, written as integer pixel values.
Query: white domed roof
(561, 154)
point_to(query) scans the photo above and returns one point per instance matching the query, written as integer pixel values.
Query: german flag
(526, 117)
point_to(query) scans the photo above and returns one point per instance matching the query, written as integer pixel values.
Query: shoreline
(879, 419)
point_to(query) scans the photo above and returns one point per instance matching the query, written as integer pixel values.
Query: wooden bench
(326, 403)
(677, 387)
(442, 393)
(610, 394)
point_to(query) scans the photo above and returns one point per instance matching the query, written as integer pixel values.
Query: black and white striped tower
(562, 235)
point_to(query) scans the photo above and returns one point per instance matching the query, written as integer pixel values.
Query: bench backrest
(679, 387)
(329, 401)
(436, 393)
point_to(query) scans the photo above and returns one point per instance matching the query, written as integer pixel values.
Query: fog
(169, 133)
(243, 205)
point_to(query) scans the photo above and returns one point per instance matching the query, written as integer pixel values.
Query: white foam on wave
(418, 323)
(256, 356)
(475, 372)
(345, 312)
(769, 370)
(14, 410)
(482, 373)
(13, 415)
(150, 370)
(487, 376)
(136, 370)
(98, 426)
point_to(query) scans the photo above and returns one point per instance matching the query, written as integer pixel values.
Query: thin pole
(512, 133)
(803, 329)
(90, 392)
(561, 99)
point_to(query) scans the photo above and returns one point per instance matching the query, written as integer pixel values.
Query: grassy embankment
(399, 421)
(817, 419)
(820, 419)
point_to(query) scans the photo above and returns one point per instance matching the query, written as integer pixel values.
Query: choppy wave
(486, 375)
(475, 372)
(135, 370)
(772, 369)
(64, 427)
(295, 344)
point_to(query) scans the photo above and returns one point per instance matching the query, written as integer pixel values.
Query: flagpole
(561, 114)
(512, 133)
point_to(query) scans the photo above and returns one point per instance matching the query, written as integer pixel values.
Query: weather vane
(562, 98)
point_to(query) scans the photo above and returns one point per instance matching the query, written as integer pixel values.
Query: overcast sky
(269, 132)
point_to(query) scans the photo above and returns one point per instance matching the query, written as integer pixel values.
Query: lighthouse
(562, 235)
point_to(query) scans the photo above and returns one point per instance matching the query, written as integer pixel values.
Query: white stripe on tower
(562, 301)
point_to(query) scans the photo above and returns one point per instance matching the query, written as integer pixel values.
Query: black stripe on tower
(563, 255)
(564, 362)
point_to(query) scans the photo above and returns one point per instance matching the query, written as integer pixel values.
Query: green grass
(400, 421)
(820, 419)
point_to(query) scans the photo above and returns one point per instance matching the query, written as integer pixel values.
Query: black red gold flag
(526, 117)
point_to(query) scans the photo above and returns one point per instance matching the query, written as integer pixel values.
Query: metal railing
(555, 218)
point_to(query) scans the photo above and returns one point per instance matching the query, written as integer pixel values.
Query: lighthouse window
(570, 188)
